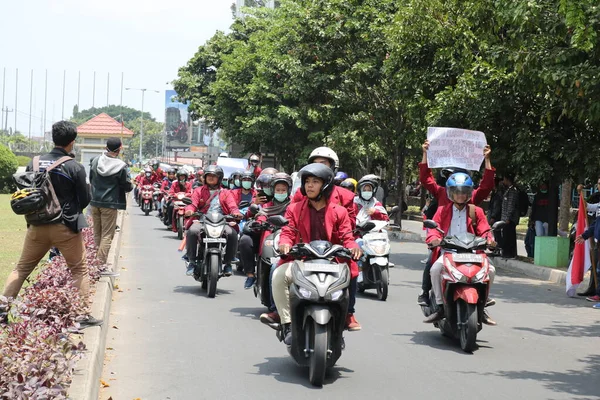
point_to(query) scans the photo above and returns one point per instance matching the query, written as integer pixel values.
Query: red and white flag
(581, 261)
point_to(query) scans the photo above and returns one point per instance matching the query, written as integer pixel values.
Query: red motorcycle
(465, 286)
(147, 202)
(180, 200)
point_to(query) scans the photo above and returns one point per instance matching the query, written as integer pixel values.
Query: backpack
(36, 198)
(523, 203)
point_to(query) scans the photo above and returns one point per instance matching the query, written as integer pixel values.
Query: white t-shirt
(459, 221)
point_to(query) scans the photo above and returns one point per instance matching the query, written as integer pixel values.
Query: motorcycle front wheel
(180, 227)
(213, 274)
(468, 331)
(383, 284)
(318, 357)
(183, 138)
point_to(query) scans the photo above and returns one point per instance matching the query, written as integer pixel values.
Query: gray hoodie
(110, 182)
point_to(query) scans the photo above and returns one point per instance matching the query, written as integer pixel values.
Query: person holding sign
(439, 193)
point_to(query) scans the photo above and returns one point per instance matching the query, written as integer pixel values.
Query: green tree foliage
(23, 161)
(153, 139)
(8, 166)
(115, 111)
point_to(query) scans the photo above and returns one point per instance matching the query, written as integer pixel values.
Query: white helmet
(224, 155)
(325, 152)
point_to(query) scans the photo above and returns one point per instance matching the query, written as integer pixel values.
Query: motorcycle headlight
(214, 231)
(335, 296)
(304, 292)
(377, 247)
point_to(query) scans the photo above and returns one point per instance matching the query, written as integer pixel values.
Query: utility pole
(6, 111)
(142, 119)
(3, 91)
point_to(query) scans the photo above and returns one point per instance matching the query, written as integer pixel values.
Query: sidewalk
(553, 275)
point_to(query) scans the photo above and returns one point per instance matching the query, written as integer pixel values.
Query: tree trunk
(564, 215)
(400, 186)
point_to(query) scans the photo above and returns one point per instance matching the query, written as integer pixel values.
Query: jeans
(105, 223)
(541, 228)
(426, 285)
(509, 240)
(273, 307)
(192, 243)
(436, 278)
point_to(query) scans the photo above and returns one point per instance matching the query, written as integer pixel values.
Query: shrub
(23, 161)
(8, 166)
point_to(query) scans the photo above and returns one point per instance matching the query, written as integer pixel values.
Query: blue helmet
(459, 183)
(340, 177)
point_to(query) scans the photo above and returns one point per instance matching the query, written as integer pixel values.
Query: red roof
(103, 124)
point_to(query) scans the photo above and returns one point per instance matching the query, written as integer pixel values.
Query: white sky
(147, 40)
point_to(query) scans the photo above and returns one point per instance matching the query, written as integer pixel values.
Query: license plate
(329, 268)
(468, 258)
(211, 240)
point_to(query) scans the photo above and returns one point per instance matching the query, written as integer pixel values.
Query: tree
(153, 139)
(115, 111)
(8, 166)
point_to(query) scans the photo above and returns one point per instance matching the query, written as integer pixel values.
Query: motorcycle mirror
(430, 224)
(395, 209)
(254, 209)
(244, 204)
(278, 220)
(498, 225)
(367, 226)
(187, 201)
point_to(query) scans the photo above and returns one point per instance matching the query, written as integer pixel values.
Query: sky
(145, 40)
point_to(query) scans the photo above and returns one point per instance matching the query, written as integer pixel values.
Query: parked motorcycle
(465, 286)
(211, 249)
(146, 202)
(319, 304)
(375, 261)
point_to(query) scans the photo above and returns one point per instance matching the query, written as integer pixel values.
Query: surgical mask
(280, 197)
(212, 192)
(267, 191)
(148, 174)
(366, 195)
(246, 185)
(544, 191)
(225, 184)
(236, 182)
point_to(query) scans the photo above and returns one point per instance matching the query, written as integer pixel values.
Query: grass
(12, 233)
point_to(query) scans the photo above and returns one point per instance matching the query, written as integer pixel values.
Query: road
(167, 340)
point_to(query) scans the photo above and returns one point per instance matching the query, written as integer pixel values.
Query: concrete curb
(86, 378)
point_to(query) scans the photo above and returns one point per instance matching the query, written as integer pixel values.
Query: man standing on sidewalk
(72, 192)
(510, 215)
(110, 182)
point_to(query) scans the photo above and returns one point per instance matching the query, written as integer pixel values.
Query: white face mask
(366, 195)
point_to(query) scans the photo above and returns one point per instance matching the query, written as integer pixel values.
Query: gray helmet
(281, 177)
(320, 171)
(214, 170)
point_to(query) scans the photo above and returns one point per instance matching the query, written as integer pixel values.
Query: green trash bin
(551, 251)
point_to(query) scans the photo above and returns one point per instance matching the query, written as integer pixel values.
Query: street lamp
(142, 119)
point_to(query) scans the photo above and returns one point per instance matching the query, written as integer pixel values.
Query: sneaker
(109, 273)
(352, 324)
(87, 321)
(185, 257)
(487, 319)
(424, 261)
(286, 334)
(490, 302)
(435, 317)
(423, 299)
(595, 298)
(596, 306)
(270, 318)
(227, 270)
(249, 282)
(190, 269)
(118, 229)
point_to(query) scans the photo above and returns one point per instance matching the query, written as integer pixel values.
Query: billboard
(177, 123)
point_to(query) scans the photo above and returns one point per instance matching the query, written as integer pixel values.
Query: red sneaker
(352, 324)
(594, 298)
(271, 319)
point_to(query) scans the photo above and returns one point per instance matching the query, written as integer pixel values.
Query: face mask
(148, 175)
(544, 191)
(225, 184)
(254, 163)
(280, 197)
(246, 185)
(267, 191)
(236, 182)
(366, 195)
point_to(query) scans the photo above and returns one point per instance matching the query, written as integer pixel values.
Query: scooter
(318, 304)
(465, 286)
(146, 202)
(211, 249)
(180, 200)
(156, 196)
(375, 261)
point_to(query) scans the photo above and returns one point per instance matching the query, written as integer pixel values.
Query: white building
(245, 3)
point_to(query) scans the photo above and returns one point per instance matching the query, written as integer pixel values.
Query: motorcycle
(465, 286)
(318, 304)
(375, 261)
(179, 133)
(156, 196)
(146, 199)
(180, 200)
(211, 249)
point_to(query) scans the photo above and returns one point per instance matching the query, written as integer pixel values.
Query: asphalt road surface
(167, 340)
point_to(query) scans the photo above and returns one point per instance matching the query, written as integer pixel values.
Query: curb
(85, 384)
(551, 275)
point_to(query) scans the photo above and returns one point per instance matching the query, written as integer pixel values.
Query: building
(252, 3)
(92, 136)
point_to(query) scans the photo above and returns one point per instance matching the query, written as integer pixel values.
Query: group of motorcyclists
(321, 205)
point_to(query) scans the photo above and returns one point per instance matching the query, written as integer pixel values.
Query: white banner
(230, 165)
(452, 147)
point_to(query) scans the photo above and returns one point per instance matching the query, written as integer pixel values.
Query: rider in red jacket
(253, 162)
(313, 218)
(211, 198)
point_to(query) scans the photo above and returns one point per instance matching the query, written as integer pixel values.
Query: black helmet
(171, 171)
(281, 177)
(320, 171)
(253, 159)
(247, 175)
(182, 172)
(214, 170)
(446, 172)
(264, 181)
(27, 201)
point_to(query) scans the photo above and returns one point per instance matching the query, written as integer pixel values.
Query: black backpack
(523, 203)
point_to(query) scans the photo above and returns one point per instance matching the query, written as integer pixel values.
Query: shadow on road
(409, 260)
(250, 312)
(577, 383)
(284, 369)
(197, 290)
(559, 329)
(515, 290)
(434, 339)
(173, 236)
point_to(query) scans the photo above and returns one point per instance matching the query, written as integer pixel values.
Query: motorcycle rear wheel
(318, 358)
(213, 274)
(180, 228)
(383, 285)
(146, 212)
(468, 331)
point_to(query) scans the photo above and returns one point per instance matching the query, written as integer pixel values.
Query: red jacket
(176, 188)
(439, 192)
(159, 174)
(146, 181)
(340, 196)
(337, 226)
(200, 198)
(257, 170)
(443, 217)
(166, 185)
